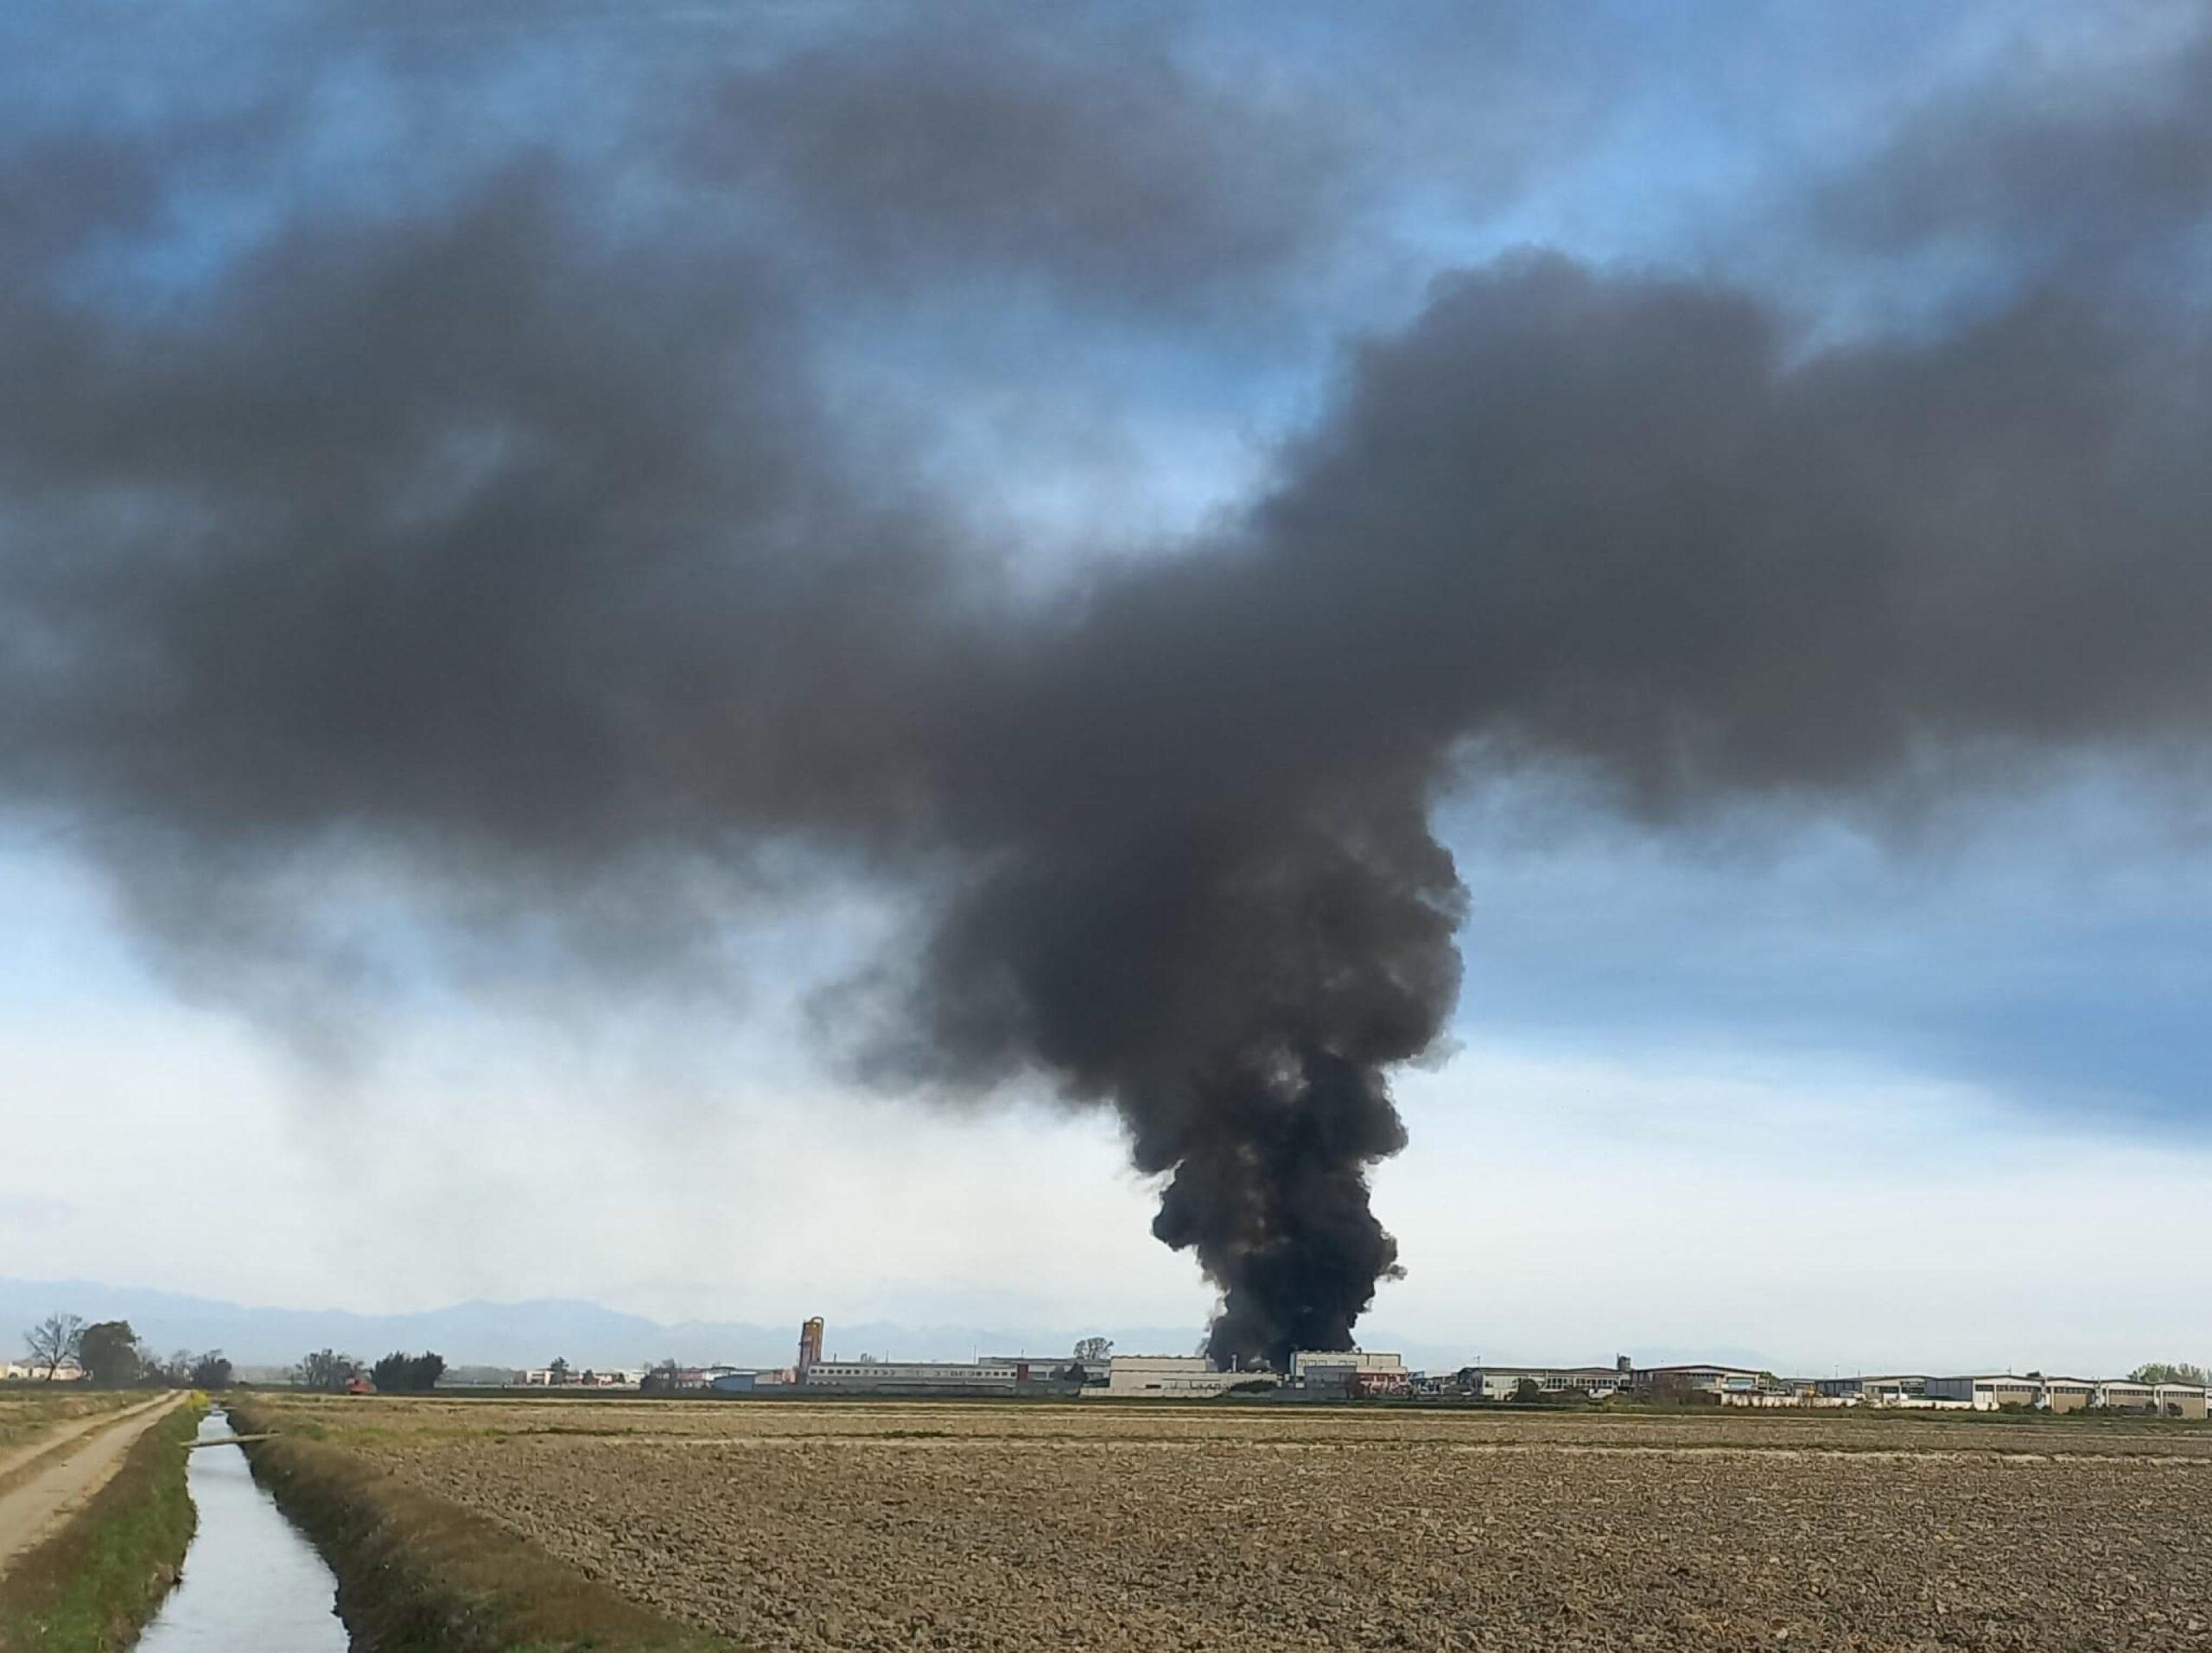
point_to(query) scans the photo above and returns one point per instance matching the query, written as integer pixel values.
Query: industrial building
(996, 1375)
(578, 1377)
(1995, 1391)
(1908, 1390)
(2121, 1395)
(1309, 1362)
(1350, 1372)
(893, 1376)
(1173, 1377)
(1503, 1383)
(1992, 1392)
(24, 1371)
(2183, 1401)
(2069, 1393)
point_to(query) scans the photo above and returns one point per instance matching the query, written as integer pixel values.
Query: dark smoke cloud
(1094, 156)
(499, 546)
(2049, 164)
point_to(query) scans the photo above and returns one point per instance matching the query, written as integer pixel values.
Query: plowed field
(961, 1526)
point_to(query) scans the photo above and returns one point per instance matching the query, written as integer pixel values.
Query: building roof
(1738, 1371)
(1554, 1371)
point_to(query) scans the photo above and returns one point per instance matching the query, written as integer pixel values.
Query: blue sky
(1846, 1061)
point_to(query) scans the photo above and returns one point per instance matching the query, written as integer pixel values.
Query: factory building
(1913, 1390)
(1503, 1383)
(1993, 1391)
(993, 1375)
(2069, 1393)
(891, 1376)
(1172, 1378)
(578, 1377)
(1738, 1384)
(1350, 1372)
(1989, 1391)
(1308, 1363)
(2182, 1400)
(23, 1371)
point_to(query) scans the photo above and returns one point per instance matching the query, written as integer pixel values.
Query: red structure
(810, 1345)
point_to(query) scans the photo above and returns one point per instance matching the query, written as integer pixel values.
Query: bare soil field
(966, 1526)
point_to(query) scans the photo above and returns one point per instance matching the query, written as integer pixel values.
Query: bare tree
(54, 1342)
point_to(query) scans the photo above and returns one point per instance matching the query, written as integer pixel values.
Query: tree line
(397, 1373)
(2168, 1371)
(111, 1356)
(108, 1354)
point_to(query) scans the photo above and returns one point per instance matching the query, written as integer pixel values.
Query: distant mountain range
(515, 1334)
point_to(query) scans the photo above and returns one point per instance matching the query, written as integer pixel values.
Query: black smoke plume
(498, 546)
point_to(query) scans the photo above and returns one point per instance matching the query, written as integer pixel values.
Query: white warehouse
(1172, 1377)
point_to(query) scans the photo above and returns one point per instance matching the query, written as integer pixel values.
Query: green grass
(418, 1573)
(94, 1585)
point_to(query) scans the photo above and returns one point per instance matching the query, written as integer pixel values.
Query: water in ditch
(251, 1581)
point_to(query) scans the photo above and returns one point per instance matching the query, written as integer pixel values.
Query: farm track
(48, 1438)
(65, 1467)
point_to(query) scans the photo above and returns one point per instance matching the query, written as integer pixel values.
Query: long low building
(1740, 1384)
(1172, 1378)
(893, 1376)
(28, 1371)
(1503, 1383)
(1996, 1391)
(1911, 1390)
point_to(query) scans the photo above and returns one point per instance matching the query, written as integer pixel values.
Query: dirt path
(40, 1445)
(57, 1488)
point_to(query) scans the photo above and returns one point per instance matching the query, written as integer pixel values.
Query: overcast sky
(1830, 942)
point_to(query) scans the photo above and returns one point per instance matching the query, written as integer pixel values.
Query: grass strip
(418, 1573)
(94, 1585)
